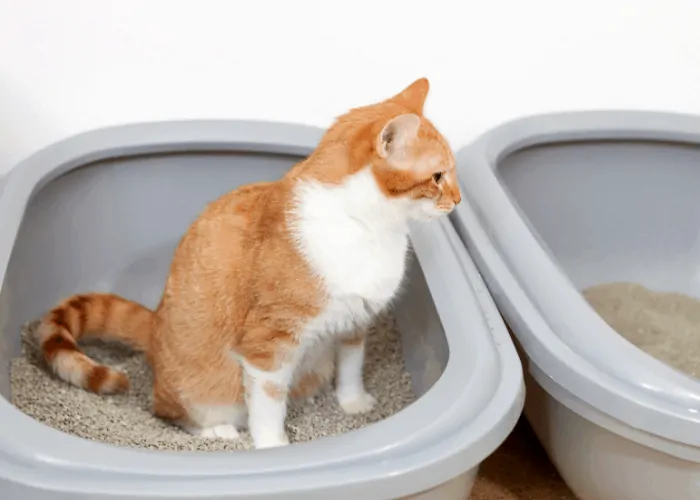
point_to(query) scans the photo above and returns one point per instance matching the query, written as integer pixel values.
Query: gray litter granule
(125, 419)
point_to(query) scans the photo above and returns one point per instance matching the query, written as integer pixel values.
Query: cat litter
(665, 325)
(125, 419)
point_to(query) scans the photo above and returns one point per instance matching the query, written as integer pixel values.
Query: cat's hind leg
(215, 420)
(205, 402)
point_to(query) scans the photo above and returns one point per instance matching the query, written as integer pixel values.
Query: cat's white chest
(355, 244)
(354, 261)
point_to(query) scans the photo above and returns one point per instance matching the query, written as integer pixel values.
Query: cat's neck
(357, 198)
(352, 236)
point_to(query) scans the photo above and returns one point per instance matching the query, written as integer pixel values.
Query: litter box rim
(449, 430)
(643, 398)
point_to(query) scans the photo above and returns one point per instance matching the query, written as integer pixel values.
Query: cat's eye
(437, 177)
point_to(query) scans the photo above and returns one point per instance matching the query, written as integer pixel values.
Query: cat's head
(410, 160)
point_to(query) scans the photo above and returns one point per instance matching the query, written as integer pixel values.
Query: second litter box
(553, 205)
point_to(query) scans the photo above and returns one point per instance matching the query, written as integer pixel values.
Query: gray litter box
(554, 204)
(104, 210)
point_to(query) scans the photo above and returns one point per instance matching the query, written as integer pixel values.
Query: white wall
(71, 65)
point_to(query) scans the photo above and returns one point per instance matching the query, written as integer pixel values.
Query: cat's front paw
(353, 404)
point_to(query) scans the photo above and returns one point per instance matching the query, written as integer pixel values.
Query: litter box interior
(621, 219)
(114, 224)
(613, 210)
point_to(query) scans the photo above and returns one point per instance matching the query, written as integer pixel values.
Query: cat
(272, 289)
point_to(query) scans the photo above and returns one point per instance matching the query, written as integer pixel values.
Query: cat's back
(240, 238)
(244, 216)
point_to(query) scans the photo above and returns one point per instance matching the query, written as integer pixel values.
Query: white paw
(223, 431)
(352, 404)
(271, 440)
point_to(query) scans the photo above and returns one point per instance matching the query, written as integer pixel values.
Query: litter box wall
(554, 204)
(104, 211)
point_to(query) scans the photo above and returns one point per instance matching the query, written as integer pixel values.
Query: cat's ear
(413, 97)
(395, 136)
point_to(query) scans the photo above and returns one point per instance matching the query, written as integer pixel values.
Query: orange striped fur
(81, 316)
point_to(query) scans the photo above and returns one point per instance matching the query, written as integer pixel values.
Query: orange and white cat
(271, 290)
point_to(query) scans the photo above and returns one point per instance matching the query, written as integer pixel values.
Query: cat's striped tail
(95, 315)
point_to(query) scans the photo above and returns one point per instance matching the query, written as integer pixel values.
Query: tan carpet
(520, 470)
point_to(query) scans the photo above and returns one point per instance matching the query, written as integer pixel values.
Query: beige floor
(520, 470)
